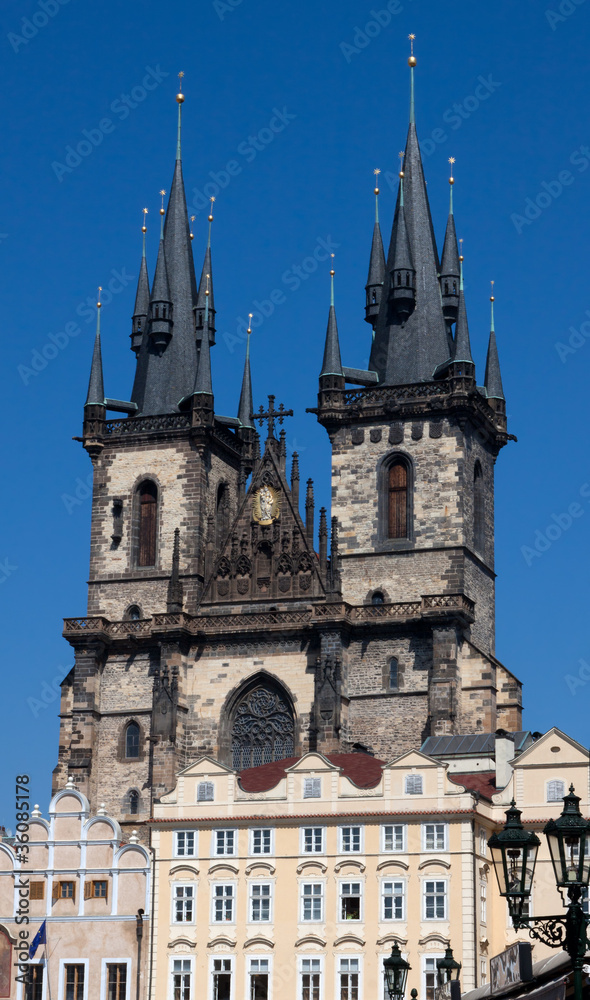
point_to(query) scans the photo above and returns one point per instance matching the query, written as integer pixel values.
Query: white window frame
(180, 958)
(264, 882)
(394, 850)
(351, 826)
(361, 885)
(262, 830)
(310, 958)
(103, 975)
(388, 880)
(483, 903)
(20, 991)
(182, 885)
(223, 882)
(553, 781)
(483, 971)
(312, 881)
(424, 970)
(61, 990)
(348, 958)
(483, 842)
(313, 854)
(409, 777)
(258, 958)
(232, 972)
(225, 853)
(311, 784)
(445, 833)
(425, 881)
(183, 833)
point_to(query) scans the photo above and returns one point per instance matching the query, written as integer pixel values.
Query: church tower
(222, 621)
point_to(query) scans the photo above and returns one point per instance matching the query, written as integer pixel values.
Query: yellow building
(295, 878)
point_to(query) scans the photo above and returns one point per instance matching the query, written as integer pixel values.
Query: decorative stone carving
(417, 431)
(436, 429)
(396, 434)
(375, 434)
(357, 435)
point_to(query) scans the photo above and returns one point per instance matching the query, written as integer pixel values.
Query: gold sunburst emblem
(266, 505)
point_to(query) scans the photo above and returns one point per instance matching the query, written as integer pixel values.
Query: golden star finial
(401, 155)
(212, 199)
(99, 303)
(193, 217)
(162, 194)
(461, 249)
(180, 95)
(492, 295)
(451, 161)
(377, 171)
(412, 59)
(332, 271)
(144, 227)
(249, 330)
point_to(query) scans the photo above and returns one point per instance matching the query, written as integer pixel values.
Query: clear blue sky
(342, 95)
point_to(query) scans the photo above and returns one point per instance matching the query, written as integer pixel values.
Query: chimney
(504, 753)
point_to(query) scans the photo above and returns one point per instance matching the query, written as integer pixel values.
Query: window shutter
(148, 510)
(106, 892)
(73, 892)
(37, 890)
(398, 501)
(87, 890)
(55, 891)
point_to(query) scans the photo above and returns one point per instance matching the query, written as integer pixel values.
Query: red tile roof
(483, 782)
(365, 771)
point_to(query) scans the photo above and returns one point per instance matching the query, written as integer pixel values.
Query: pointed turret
(161, 310)
(407, 350)
(493, 378)
(246, 406)
(449, 268)
(374, 286)
(205, 308)
(95, 396)
(168, 371)
(331, 374)
(403, 275)
(203, 383)
(462, 352)
(142, 297)
(174, 597)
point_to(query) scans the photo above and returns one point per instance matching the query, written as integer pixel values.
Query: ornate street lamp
(514, 853)
(448, 968)
(396, 973)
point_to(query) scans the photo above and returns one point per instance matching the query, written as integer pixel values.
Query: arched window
(222, 514)
(6, 963)
(398, 500)
(393, 674)
(377, 598)
(263, 728)
(148, 519)
(132, 740)
(133, 802)
(478, 510)
(133, 613)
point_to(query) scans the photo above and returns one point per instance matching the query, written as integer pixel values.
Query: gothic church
(219, 620)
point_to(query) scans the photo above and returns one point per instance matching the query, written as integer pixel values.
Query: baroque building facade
(219, 621)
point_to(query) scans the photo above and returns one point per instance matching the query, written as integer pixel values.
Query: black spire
(403, 275)
(205, 308)
(493, 378)
(169, 371)
(332, 365)
(462, 350)
(203, 383)
(142, 298)
(174, 597)
(376, 276)
(246, 406)
(449, 268)
(96, 384)
(406, 351)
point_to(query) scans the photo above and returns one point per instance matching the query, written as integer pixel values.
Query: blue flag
(40, 938)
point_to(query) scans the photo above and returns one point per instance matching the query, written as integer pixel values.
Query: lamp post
(514, 854)
(448, 968)
(396, 974)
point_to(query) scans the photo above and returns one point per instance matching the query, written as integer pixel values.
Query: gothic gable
(266, 554)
